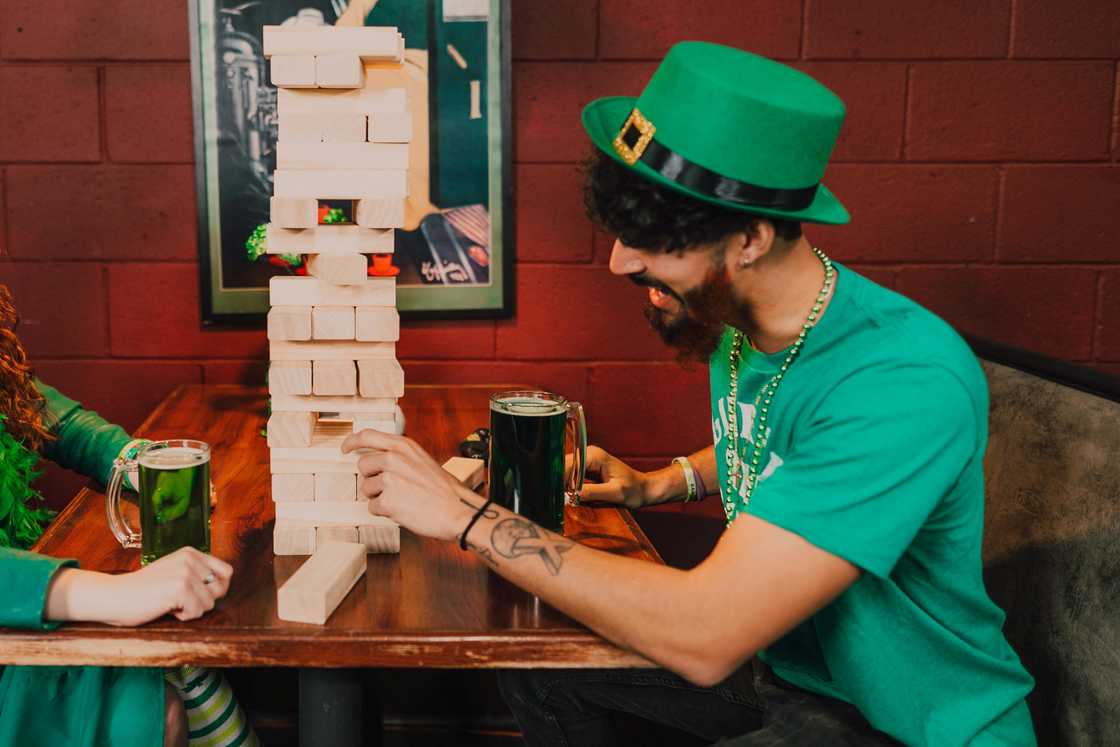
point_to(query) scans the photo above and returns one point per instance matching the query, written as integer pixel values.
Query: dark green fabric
(24, 580)
(85, 441)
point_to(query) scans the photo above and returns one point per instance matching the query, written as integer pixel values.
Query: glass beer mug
(529, 470)
(174, 489)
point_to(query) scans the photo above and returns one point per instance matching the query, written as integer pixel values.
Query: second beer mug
(529, 472)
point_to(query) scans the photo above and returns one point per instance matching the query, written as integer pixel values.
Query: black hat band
(635, 142)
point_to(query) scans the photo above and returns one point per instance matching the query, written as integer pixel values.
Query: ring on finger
(210, 578)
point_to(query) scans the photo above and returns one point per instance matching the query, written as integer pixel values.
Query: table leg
(333, 709)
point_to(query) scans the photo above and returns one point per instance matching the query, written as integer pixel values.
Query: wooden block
(335, 486)
(335, 239)
(289, 377)
(470, 472)
(377, 421)
(339, 71)
(339, 184)
(291, 429)
(329, 101)
(293, 488)
(381, 378)
(476, 99)
(296, 403)
(319, 586)
(368, 42)
(334, 378)
(312, 127)
(377, 324)
(389, 127)
(346, 156)
(292, 71)
(289, 323)
(332, 323)
(294, 462)
(327, 350)
(330, 513)
(379, 538)
(372, 212)
(337, 534)
(298, 212)
(285, 290)
(293, 539)
(338, 269)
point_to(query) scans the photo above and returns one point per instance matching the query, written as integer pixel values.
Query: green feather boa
(22, 514)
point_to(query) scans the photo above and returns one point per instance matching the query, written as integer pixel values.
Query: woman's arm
(84, 441)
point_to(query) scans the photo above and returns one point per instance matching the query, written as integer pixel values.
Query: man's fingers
(371, 439)
(371, 486)
(607, 492)
(597, 459)
(373, 464)
(375, 507)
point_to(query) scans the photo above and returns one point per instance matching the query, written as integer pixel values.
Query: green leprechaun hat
(730, 128)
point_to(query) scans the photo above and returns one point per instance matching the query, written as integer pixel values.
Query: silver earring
(745, 263)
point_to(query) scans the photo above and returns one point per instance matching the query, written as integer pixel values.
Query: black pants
(574, 708)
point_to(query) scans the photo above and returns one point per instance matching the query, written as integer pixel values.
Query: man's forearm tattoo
(513, 538)
(485, 553)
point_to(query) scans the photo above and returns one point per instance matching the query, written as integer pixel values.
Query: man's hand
(185, 583)
(616, 483)
(404, 483)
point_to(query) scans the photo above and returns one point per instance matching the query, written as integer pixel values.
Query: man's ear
(746, 248)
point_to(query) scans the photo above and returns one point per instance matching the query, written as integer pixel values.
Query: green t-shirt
(875, 454)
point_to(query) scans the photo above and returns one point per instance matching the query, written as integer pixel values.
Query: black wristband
(471, 523)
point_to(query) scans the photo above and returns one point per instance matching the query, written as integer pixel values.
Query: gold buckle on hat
(631, 154)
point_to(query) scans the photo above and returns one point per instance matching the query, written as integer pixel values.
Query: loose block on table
(329, 239)
(331, 101)
(339, 71)
(289, 377)
(340, 184)
(367, 42)
(346, 156)
(338, 269)
(332, 323)
(293, 212)
(292, 71)
(293, 539)
(284, 290)
(293, 488)
(335, 486)
(377, 324)
(333, 127)
(373, 212)
(470, 472)
(291, 429)
(380, 377)
(389, 127)
(334, 378)
(289, 323)
(328, 350)
(319, 586)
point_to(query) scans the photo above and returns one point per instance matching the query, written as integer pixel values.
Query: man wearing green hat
(844, 604)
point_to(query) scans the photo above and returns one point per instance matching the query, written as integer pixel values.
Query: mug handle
(577, 424)
(126, 535)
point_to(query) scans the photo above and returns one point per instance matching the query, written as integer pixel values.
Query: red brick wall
(979, 162)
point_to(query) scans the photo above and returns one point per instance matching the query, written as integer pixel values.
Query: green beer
(174, 498)
(527, 460)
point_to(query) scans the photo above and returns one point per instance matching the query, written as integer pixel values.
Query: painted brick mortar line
(1012, 23)
(1098, 318)
(1001, 191)
(803, 37)
(905, 114)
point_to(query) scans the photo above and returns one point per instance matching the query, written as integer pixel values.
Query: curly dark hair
(646, 215)
(20, 401)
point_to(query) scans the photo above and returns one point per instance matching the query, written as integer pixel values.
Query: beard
(696, 329)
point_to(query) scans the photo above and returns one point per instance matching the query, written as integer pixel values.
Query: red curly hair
(20, 402)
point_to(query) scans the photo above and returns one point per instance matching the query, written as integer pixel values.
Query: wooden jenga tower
(345, 129)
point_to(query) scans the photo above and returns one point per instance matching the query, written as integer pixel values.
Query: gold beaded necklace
(762, 402)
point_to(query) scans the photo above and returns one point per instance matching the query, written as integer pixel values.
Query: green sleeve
(869, 467)
(85, 442)
(24, 580)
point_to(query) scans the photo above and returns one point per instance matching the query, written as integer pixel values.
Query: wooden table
(431, 606)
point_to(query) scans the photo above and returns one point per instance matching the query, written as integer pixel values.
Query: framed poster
(455, 253)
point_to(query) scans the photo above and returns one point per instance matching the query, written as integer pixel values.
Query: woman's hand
(404, 483)
(185, 584)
